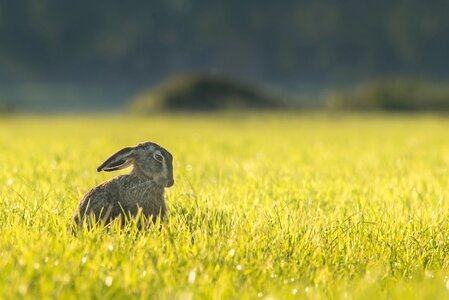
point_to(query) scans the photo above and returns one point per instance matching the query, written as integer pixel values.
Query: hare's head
(149, 160)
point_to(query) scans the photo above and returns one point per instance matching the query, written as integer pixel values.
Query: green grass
(270, 206)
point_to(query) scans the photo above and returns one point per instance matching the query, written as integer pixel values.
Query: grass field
(264, 206)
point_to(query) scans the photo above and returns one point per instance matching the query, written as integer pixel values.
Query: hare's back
(102, 201)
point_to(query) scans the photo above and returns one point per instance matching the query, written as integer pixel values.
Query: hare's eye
(158, 157)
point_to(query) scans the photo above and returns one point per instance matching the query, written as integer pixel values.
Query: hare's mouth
(170, 183)
(164, 183)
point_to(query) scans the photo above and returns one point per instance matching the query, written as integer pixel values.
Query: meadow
(269, 206)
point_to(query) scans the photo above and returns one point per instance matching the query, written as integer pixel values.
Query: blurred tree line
(270, 41)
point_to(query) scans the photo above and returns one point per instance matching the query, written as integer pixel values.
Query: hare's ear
(120, 160)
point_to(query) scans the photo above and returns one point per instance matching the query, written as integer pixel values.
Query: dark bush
(7, 108)
(392, 94)
(202, 93)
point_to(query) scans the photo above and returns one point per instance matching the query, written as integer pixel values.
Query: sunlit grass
(280, 206)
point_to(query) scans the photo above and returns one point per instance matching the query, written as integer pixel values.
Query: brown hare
(141, 190)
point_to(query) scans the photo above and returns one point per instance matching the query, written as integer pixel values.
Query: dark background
(80, 55)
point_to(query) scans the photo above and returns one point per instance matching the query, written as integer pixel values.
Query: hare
(126, 195)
